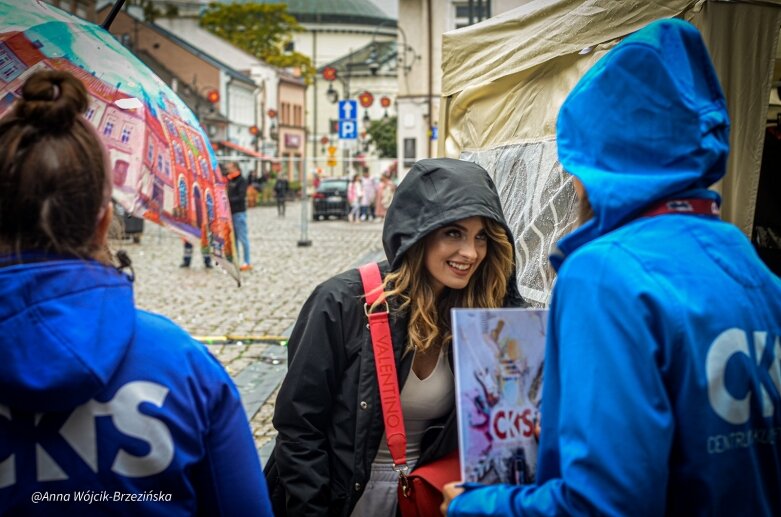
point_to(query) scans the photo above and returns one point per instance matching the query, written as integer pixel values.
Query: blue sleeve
(607, 420)
(234, 482)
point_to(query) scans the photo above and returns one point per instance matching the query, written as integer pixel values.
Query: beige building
(421, 25)
(340, 33)
(84, 8)
(291, 130)
(231, 93)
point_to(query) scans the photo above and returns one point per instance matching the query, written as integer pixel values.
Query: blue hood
(65, 327)
(647, 122)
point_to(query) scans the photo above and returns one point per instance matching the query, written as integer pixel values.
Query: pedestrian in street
(368, 193)
(354, 196)
(99, 401)
(384, 197)
(237, 197)
(662, 376)
(447, 245)
(187, 256)
(280, 191)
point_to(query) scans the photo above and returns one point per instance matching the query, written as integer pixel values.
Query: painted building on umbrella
(174, 160)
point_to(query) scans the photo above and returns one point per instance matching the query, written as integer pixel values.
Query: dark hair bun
(52, 100)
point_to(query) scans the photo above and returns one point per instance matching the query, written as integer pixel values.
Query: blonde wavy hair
(429, 321)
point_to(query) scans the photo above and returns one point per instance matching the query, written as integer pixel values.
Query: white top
(423, 401)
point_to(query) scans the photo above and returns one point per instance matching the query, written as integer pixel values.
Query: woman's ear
(104, 222)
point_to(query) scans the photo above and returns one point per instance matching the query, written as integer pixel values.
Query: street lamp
(332, 94)
(404, 62)
(204, 102)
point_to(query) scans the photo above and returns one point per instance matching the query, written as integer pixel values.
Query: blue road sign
(348, 109)
(348, 129)
(348, 119)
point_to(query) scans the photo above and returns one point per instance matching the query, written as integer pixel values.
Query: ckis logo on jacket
(79, 432)
(742, 365)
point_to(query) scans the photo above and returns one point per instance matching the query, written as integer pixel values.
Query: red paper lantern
(213, 96)
(385, 102)
(366, 99)
(329, 73)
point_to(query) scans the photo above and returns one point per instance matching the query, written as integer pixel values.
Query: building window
(90, 113)
(178, 154)
(471, 12)
(125, 137)
(150, 149)
(297, 163)
(108, 128)
(160, 162)
(10, 66)
(170, 127)
(209, 206)
(182, 193)
(409, 152)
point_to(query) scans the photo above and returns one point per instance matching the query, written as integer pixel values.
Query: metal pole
(304, 239)
(314, 98)
(113, 14)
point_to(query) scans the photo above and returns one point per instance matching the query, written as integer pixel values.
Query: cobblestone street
(209, 305)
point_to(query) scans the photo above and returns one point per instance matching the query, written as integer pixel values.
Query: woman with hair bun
(104, 408)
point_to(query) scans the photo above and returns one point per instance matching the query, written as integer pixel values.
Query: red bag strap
(385, 363)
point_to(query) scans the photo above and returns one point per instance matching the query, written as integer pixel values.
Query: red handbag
(420, 491)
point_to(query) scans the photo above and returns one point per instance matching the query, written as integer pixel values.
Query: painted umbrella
(164, 167)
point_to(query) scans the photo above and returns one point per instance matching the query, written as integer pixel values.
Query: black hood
(437, 192)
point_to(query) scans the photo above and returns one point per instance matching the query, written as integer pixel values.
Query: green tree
(263, 30)
(382, 133)
(151, 12)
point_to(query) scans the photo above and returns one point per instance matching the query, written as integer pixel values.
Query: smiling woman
(448, 246)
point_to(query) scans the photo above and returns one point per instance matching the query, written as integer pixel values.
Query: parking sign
(348, 129)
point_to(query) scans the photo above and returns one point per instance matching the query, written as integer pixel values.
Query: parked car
(330, 199)
(132, 227)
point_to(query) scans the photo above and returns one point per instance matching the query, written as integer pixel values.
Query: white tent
(505, 79)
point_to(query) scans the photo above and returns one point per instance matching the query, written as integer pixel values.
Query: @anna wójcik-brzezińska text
(100, 496)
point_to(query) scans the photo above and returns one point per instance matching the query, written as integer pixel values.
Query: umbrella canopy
(164, 167)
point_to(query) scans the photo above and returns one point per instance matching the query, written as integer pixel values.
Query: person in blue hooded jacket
(663, 362)
(104, 409)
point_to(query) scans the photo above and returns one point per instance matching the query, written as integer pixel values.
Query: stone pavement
(260, 313)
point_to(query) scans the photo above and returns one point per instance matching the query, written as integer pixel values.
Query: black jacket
(237, 194)
(328, 413)
(280, 187)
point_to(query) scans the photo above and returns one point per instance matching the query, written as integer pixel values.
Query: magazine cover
(498, 356)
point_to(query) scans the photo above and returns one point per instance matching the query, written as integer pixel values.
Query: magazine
(498, 356)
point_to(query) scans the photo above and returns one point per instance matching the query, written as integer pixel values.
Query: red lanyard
(385, 364)
(692, 206)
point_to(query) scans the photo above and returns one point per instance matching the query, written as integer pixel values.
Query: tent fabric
(505, 79)
(540, 31)
(538, 220)
(742, 39)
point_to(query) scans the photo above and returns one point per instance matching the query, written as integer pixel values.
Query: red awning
(246, 150)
